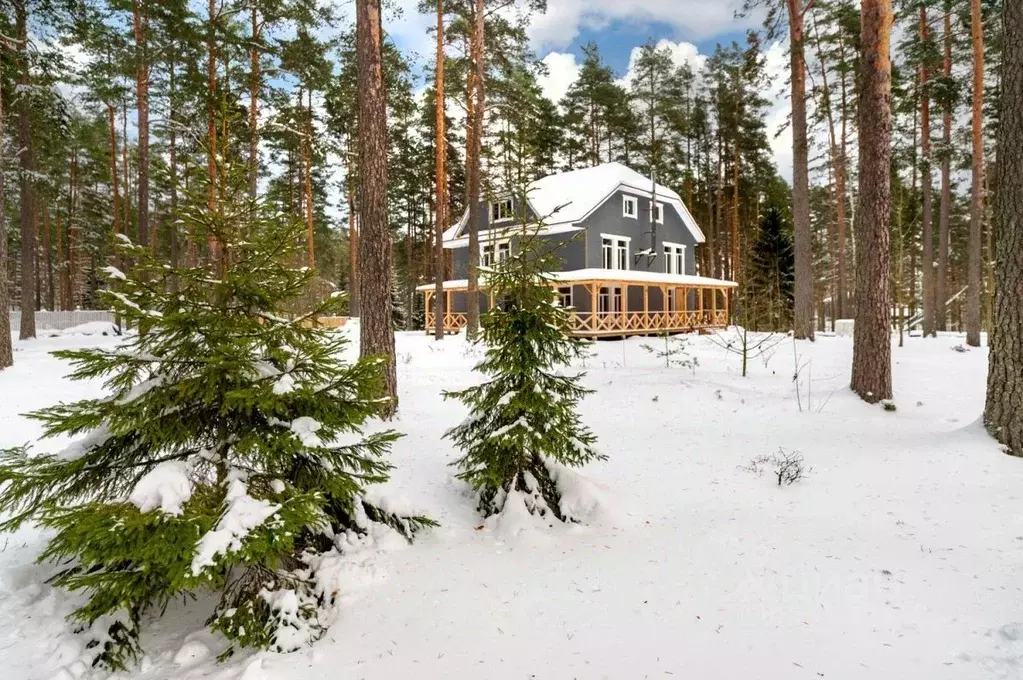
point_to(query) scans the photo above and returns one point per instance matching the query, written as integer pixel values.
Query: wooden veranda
(613, 304)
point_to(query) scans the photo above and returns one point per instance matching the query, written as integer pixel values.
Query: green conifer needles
(227, 456)
(523, 420)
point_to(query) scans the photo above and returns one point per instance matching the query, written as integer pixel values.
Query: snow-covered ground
(899, 556)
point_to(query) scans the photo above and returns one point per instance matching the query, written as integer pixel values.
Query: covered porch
(611, 303)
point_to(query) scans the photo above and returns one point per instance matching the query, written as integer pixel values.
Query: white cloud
(693, 19)
(777, 69)
(562, 71)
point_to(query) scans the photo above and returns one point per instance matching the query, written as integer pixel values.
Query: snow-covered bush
(227, 455)
(524, 417)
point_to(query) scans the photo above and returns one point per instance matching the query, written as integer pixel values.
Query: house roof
(612, 275)
(568, 198)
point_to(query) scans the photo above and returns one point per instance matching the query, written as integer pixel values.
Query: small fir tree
(228, 454)
(523, 421)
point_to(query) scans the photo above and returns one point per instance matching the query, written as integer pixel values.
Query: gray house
(627, 247)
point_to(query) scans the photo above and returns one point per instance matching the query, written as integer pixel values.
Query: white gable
(569, 197)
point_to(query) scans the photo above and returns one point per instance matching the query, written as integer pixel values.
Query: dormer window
(501, 211)
(630, 207)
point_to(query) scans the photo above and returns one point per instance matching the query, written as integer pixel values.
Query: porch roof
(609, 275)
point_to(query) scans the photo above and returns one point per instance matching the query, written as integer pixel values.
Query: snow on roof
(570, 197)
(613, 275)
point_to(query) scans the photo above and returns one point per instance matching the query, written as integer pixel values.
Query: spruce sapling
(228, 454)
(524, 419)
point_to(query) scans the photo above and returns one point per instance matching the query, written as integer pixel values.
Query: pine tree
(523, 423)
(227, 452)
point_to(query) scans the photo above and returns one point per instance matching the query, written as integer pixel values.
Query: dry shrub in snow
(787, 467)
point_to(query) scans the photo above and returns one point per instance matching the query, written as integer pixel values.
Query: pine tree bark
(62, 268)
(475, 144)
(211, 110)
(376, 326)
(308, 148)
(48, 258)
(872, 347)
(172, 137)
(126, 177)
(254, 88)
(1003, 412)
(804, 283)
(140, 21)
(977, 190)
(6, 351)
(354, 306)
(945, 209)
(925, 187)
(113, 170)
(26, 185)
(440, 212)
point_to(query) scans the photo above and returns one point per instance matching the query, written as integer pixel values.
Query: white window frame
(500, 251)
(674, 258)
(564, 294)
(497, 213)
(620, 247)
(659, 207)
(634, 202)
(609, 300)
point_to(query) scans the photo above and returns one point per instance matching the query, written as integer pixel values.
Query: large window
(630, 207)
(565, 296)
(501, 211)
(609, 300)
(674, 258)
(493, 253)
(615, 251)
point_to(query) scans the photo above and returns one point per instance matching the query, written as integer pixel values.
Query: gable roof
(568, 198)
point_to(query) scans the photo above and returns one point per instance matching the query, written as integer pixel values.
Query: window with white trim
(674, 258)
(630, 207)
(609, 300)
(658, 213)
(494, 253)
(501, 211)
(615, 251)
(565, 296)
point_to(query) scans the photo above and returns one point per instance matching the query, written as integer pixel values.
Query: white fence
(58, 321)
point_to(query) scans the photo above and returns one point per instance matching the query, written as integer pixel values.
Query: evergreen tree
(524, 423)
(225, 457)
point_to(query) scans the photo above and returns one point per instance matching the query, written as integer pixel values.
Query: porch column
(726, 294)
(428, 316)
(447, 308)
(699, 304)
(713, 306)
(593, 305)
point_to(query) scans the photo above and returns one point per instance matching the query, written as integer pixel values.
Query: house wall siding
(608, 219)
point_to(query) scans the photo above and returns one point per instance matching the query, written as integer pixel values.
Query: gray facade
(584, 249)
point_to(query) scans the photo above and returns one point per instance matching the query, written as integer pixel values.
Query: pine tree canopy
(228, 453)
(524, 418)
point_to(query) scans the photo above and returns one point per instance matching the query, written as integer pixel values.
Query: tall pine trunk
(477, 95)
(376, 325)
(872, 347)
(254, 88)
(977, 189)
(441, 199)
(140, 20)
(945, 209)
(1003, 412)
(308, 153)
(172, 136)
(804, 284)
(925, 188)
(6, 351)
(211, 111)
(48, 259)
(27, 188)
